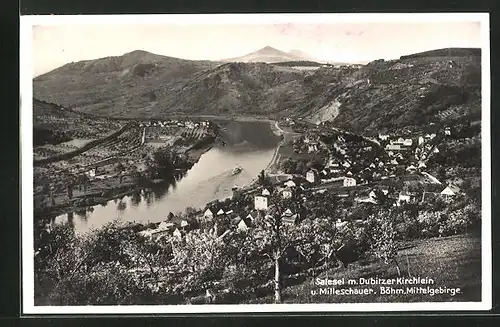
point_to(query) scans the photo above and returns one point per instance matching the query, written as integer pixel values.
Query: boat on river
(236, 170)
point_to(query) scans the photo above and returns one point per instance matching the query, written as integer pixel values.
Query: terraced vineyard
(125, 142)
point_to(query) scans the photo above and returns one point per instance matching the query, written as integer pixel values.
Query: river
(250, 145)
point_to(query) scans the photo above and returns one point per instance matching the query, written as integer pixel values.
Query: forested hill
(416, 89)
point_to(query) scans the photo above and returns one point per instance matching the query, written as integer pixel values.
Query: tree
(272, 237)
(289, 166)
(383, 235)
(202, 256)
(101, 267)
(264, 179)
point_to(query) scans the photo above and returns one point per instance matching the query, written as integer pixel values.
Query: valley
(341, 168)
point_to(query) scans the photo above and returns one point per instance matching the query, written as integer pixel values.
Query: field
(452, 262)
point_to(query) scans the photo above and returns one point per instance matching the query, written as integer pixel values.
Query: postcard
(255, 163)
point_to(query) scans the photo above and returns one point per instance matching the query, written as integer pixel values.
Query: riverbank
(252, 144)
(111, 188)
(274, 159)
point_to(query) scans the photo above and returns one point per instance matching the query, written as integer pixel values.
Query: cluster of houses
(208, 219)
(349, 163)
(175, 123)
(413, 153)
(310, 143)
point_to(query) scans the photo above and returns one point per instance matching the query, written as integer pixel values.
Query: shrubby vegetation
(43, 136)
(115, 265)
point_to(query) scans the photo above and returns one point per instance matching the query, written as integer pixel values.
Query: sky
(56, 45)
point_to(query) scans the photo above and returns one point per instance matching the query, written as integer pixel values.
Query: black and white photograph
(255, 163)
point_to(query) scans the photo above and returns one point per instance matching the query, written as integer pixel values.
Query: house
(399, 141)
(289, 217)
(220, 212)
(164, 225)
(265, 192)
(339, 223)
(349, 173)
(372, 165)
(346, 164)
(91, 173)
(366, 200)
(260, 203)
(242, 225)
(290, 183)
(229, 212)
(372, 194)
(184, 224)
(146, 233)
(447, 131)
(451, 190)
(349, 181)
(385, 191)
(177, 233)
(403, 197)
(420, 140)
(312, 148)
(411, 168)
(408, 142)
(422, 165)
(287, 193)
(208, 214)
(436, 150)
(332, 163)
(393, 147)
(312, 175)
(251, 217)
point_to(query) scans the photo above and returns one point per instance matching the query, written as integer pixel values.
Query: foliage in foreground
(115, 265)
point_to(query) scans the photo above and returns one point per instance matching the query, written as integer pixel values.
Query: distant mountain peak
(268, 54)
(268, 49)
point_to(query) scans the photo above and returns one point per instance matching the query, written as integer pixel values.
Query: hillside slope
(98, 86)
(415, 90)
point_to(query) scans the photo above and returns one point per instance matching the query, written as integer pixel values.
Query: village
(323, 163)
(111, 167)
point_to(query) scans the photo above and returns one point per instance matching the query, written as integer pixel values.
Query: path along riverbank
(276, 155)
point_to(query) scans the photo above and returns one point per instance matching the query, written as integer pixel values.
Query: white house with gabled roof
(348, 181)
(208, 213)
(260, 203)
(451, 190)
(242, 225)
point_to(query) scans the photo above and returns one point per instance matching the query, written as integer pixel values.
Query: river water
(251, 145)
